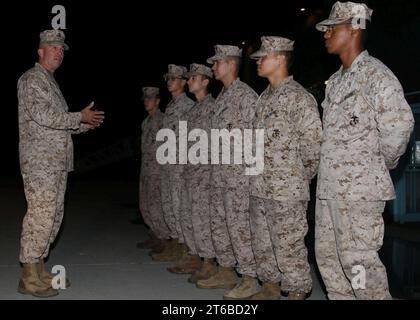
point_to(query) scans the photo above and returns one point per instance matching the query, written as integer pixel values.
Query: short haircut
(204, 77)
(290, 57)
(237, 61)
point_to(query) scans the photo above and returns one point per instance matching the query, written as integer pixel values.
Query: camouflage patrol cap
(175, 71)
(341, 12)
(272, 44)
(150, 92)
(53, 37)
(199, 69)
(224, 51)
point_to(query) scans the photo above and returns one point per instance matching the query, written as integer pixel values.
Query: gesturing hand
(93, 118)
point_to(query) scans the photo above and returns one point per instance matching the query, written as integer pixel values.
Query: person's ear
(41, 53)
(355, 32)
(232, 64)
(282, 59)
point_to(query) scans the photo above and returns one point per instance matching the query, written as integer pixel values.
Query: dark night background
(118, 47)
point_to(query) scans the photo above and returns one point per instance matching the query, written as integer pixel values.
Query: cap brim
(149, 97)
(213, 59)
(166, 76)
(65, 46)
(191, 74)
(323, 25)
(258, 54)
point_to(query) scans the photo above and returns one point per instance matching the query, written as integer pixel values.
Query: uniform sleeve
(248, 108)
(82, 129)
(394, 119)
(210, 108)
(310, 128)
(140, 142)
(34, 95)
(158, 125)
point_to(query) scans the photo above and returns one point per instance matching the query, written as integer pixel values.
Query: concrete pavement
(97, 246)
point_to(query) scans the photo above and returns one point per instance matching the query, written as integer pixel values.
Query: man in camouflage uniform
(230, 186)
(367, 125)
(173, 184)
(196, 203)
(46, 156)
(150, 195)
(289, 116)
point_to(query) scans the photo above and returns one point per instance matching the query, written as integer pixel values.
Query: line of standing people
(256, 225)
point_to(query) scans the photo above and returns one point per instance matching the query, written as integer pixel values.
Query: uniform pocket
(367, 225)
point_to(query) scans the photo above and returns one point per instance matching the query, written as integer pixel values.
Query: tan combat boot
(244, 289)
(224, 278)
(169, 253)
(188, 265)
(159, 246)
(208, 269)
(297, 295)
(270, 291)
(30, 283)
(181, 252)
(45, 276)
